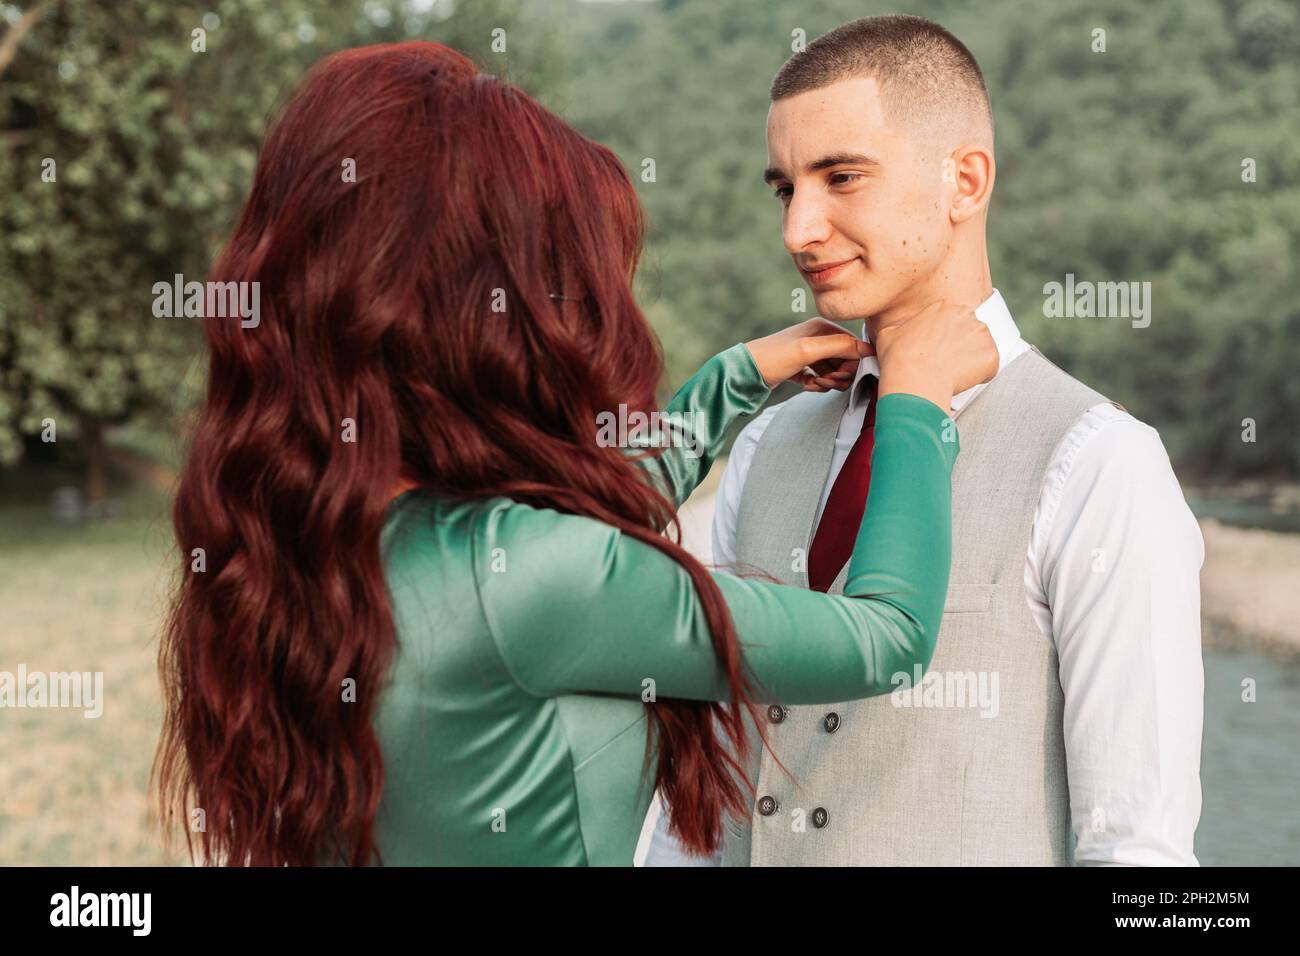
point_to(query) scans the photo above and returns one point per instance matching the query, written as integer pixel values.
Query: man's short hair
(928, 78)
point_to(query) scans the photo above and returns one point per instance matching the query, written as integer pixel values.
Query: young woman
(437, 618)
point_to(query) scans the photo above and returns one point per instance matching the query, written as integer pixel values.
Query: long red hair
(400, 195)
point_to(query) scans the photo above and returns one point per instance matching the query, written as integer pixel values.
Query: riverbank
(1250, 589)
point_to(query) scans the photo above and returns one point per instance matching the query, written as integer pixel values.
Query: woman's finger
(819, 348)
(819, 384)
(828, 367)
(808, 380)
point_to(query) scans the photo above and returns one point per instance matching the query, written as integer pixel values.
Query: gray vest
(967, 767)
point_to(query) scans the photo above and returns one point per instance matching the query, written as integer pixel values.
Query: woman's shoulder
(529, 570)
(499, 535)
(514, 542)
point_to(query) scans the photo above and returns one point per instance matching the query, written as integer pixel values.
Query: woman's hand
(817, 354)
(935, 353)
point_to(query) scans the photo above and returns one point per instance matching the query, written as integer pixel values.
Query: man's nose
(805, 223)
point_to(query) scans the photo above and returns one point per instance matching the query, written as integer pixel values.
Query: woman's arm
(587, 608)
(817, 354)
(698, 419)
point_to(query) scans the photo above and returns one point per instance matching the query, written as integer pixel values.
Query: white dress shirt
(1112, 577)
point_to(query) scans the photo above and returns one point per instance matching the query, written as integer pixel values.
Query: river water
(1250, 752)
(1250, 762)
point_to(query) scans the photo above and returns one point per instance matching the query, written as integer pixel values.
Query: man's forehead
(854, 100)
(841, 119)
(846, 115)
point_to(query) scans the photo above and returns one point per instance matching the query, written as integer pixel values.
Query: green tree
(128, 136)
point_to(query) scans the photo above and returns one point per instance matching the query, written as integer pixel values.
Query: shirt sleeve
(583, 607)
(1119, 558)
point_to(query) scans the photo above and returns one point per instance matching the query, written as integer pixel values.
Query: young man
(1061, 719)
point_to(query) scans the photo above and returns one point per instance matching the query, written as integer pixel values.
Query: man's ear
(973, 171)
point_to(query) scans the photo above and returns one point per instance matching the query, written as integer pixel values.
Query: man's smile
(821, 273)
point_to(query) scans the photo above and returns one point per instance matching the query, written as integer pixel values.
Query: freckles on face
(918, 226)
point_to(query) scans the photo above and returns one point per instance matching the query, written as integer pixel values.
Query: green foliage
(153, 145)
(1116, 166)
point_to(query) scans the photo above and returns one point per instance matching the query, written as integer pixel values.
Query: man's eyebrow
(772, 174)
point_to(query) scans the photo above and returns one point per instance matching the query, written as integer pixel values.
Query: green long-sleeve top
(512, 727)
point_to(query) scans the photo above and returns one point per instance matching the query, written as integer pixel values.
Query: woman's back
(478, 770)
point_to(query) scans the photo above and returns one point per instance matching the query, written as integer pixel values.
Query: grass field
(82, 597)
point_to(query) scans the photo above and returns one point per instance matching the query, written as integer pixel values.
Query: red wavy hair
(375, 306)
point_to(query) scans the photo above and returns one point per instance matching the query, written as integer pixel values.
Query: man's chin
(842, 306)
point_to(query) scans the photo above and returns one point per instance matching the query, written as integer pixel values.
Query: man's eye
(783, 193)
(843, 179)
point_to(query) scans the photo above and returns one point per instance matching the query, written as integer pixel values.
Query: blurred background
(128, 135)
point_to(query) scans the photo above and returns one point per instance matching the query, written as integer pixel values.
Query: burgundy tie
(838, 529)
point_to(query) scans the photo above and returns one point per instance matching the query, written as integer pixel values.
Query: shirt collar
(994, 313)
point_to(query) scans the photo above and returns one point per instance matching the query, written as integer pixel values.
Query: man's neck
(971, 286)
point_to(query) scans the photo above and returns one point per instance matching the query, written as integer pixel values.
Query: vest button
(831, 722)
(820, 817)
(776, 713)
(768, 806)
